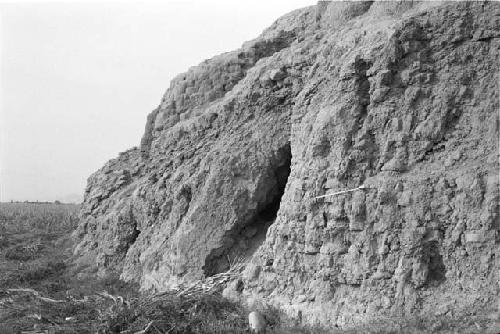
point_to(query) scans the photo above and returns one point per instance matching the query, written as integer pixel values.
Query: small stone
(442, 310)
(379, 94)
(332, 184)
(397, 124)
(404, 198)
(399, 187)
(381, 275)
(327, 248)
(385, 77)
(257, 322)
(406, 76)
(300, 299)
(386, 302)
(251, 272)
(356, 225)
(277, 74)
(419, 273)
(472, 237)
(395, 165)
(311, 249)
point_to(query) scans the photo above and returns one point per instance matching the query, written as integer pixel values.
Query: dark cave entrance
(245, 239)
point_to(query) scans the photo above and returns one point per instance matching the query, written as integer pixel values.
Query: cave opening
(244, 240)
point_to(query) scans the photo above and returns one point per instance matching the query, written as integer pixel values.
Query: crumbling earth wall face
(401, 98)
(414, 118)
(211, 168)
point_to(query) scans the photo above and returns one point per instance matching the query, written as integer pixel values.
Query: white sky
(79, 78)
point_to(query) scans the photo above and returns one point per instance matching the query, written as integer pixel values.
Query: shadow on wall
(246, 239)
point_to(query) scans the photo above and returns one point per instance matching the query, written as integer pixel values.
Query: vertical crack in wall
(244, 240)
(437, 269)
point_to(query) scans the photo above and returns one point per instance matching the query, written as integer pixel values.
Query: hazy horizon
(78, 79)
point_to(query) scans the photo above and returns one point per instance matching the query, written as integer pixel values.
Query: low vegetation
(40, 290)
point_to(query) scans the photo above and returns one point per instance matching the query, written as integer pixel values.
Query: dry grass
(35, 253)
(197, 313)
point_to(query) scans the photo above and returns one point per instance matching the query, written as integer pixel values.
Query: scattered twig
(213, 283)
(145, 329)
(37, 294)
(116, 299)
(208, 285)
(50, 300)
(362, 187)
(156, 329)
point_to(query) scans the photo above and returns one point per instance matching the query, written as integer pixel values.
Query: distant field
(47, 217)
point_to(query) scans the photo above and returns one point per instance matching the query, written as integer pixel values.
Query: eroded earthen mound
(400, 97)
